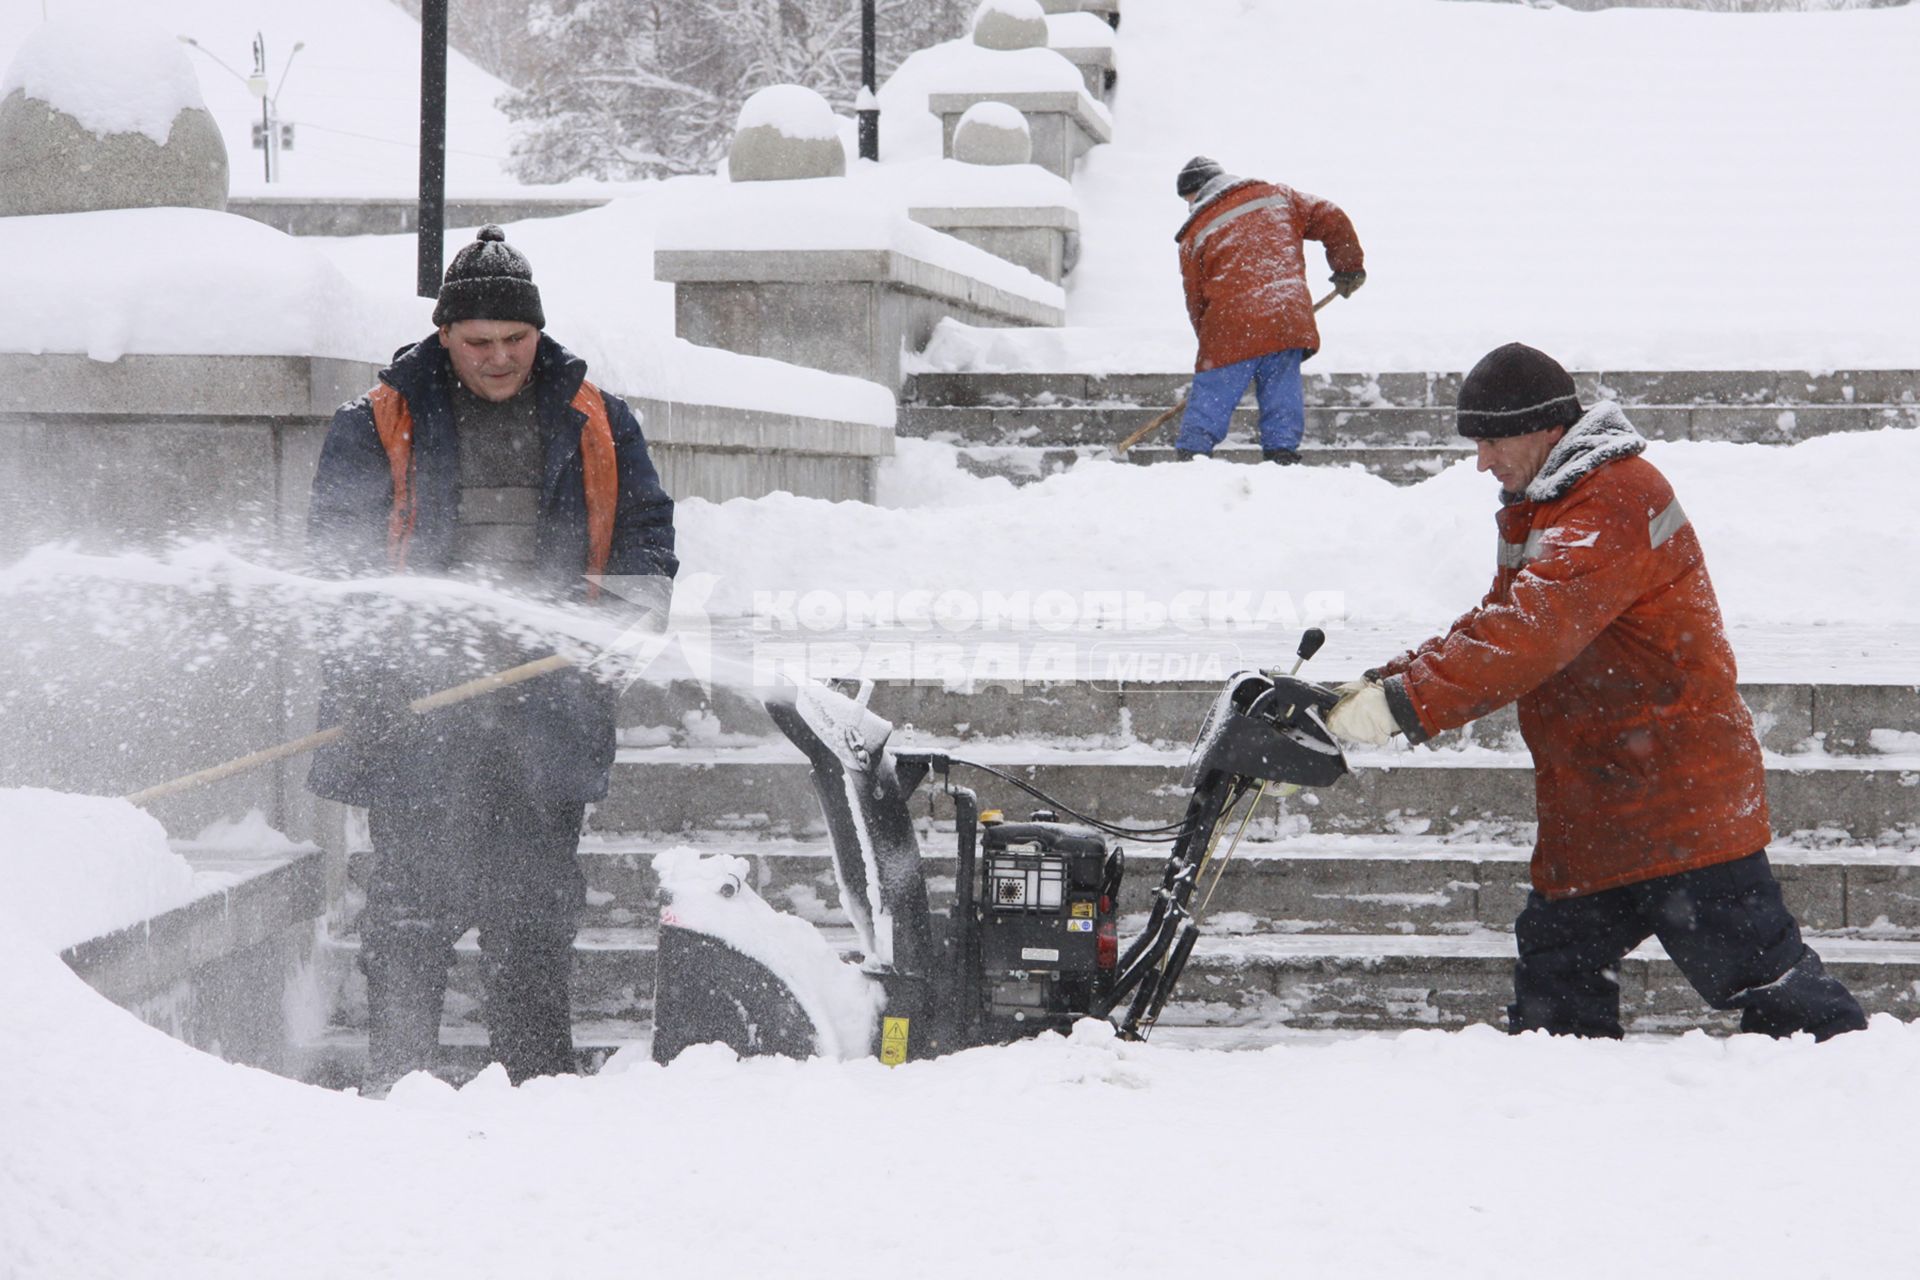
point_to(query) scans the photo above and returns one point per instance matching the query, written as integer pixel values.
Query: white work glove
(1355, 686)
(1363, 715)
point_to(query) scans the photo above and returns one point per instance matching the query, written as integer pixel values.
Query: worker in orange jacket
(1243, 264)
(1651, 794)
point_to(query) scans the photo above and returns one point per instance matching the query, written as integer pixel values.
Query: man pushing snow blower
(1603, 625)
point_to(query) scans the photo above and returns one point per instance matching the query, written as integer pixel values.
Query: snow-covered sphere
(786, 131)
(992, 133)
(106, 116)
(1010, 24)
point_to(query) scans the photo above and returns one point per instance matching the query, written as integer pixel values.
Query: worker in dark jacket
(482, 453)
(1649, 785)
(1243, 262)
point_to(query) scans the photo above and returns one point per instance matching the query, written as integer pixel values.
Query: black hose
(1146, 835)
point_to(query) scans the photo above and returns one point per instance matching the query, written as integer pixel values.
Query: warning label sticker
(1083, 909)
(893, 1040)
(1079, 926)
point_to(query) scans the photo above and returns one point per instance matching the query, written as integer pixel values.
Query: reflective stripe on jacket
(1603, 624)
(600, 475)
(1243, 262)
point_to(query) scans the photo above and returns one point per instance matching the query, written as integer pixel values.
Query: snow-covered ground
(1645, 189)
(1426, 1154)
(1627, 189)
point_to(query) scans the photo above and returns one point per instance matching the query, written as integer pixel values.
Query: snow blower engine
(1030, 943)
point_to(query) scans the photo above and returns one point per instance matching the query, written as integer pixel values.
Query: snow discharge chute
(1029, 943)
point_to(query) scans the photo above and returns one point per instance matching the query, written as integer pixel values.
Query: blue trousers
(1724, 926)
(1216, 393)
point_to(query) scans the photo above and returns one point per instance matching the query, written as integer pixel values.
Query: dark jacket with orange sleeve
(1243, 261)
(371, 517)
(1603, 625)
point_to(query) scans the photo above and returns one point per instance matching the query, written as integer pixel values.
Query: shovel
(313, 741)
(1120, 450)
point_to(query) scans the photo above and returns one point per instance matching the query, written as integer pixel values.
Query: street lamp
(268, 134)
(867, 105)
(430, 241)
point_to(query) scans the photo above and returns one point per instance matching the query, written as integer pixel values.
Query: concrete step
(767, 788)
(1897, 388)
(612, 977)
(1790, 717)
(1402, 885)
(1402, 466)
(337, 1059)
(1322, 982)
(1103, 425)
(1091, 427)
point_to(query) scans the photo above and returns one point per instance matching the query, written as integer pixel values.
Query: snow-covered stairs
(1385, 901)
(1397, 425)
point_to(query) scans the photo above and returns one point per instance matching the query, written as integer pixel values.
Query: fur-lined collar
(1208, 194)
(1604, 435)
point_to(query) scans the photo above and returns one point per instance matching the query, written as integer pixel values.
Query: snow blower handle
(314, 741)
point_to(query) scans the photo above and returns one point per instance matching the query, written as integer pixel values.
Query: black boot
(1188, 455)
(1285, 457)
(403, 1020)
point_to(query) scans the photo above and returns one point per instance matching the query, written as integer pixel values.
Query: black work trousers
(483, 855)
(1724, 926)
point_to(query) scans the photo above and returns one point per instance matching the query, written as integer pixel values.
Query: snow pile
(1418, 554)
(960, 66)
(1627, 189)
(126, 77)
(75, 867)
(712, 895)
(188, 282)
(250, 833)
(954, 184)
(1367, 1157)
(1079, 31)
(792, 110)
(827, 214)
(93, 283)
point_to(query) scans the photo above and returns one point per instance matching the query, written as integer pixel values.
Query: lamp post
(257, 85)
(433, 145)
(867, 105)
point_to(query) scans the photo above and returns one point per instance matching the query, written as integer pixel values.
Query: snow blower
(1030, 943)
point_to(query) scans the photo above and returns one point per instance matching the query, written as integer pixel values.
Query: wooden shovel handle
(313, 741)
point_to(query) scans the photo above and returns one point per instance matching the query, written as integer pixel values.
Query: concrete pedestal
(1097, 67)
(854, 311)
(1065, 125)
(1043, 240)
(1108, 11)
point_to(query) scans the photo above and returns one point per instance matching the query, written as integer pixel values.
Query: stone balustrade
(849, 311)
(1045, 240)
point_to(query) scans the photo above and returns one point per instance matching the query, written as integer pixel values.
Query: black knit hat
(1199, 172)
(1514, 390)
(490, 280)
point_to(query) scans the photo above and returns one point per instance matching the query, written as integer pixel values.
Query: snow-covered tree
(650, 88)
